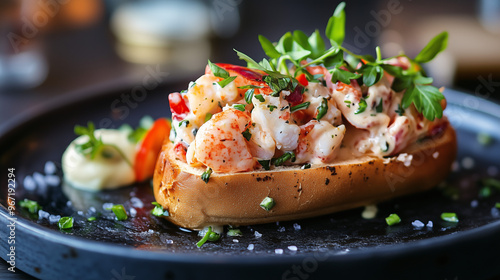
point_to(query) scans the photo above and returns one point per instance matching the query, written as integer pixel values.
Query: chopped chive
(393, 219)
(322, 109)
(301, 106)
(158, 210)
(31, 205)
(380, 106)
(239, 107)
(497, 205)
(362, 106)
(120, 212)
(208, 116)
(306, 166)
(250, 87)
(65, 223)
(286, 156)
(206, 175)
(259, 97)
(90, 219)
(267, 203)
(247, 134)
(449, 217)
(249, 95)
(266, 164)
(234, 232)
(226, 81)
(271, 107)
(484, 139)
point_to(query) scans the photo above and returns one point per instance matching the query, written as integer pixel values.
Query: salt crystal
(292, 248)
(92, 210)
(39, 179)
(54, 218)
(495, 213)
(370, 212)
(50, 168)
(69, 203)
(296, 226)
(133, 212)
(236, 240)
(107, 205)
(169, 241)
(43, 215)
(417, 224)
(258, 234)
(468, 162)
(281, 229)
(80, 213)
(474, 203)
(430, 224)
(136, 202)
(250, 247)
(278, 251)
(151, 231)
(29, 183)
(52, 180)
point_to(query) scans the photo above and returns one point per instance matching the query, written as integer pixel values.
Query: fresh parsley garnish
(259, 97)
(295, 47)
(362, 106)
(299, 107)
(247, 134)
(239, 107)
(322, 109)
(282, 159)
(249, 95)
(158, 210)
(94, 145)
(221, 73)
(266, 164)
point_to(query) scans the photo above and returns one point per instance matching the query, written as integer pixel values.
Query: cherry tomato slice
(147, 153)
(178, 105)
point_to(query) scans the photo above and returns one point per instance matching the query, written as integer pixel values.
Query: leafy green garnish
(239, 107)
(31, 205)
(249, 95)
(296, 47)
(234, 232)
(299, 107)
(449, 217)
(393, 219)
(94, 146)
(266, 164)
(247, 134)
(259, 97)
(138, 134)
(209, 236)
(282, 159)
(158, 210)
(267, 203)
(221, 73)
(362, 106)
(322, 109)
(119, 212)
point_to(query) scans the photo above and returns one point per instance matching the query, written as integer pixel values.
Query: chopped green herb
(380, 106)
(209, 236)
(400, 110)
(226, 81)
(266, 164)
(393, 219)
(362, 106)
(267, 203)
(282, 159)
(206, 175)
(234, 232)
(239, 107)
(301, 106)
(94, 146)
(158, 210)
(259, 97)
(31, 205)
(90, 219)
(449, 217)
(484, 139)
(65, 223)
(271, 107)
(306, 166)
(250, 87)
(120, 212)
(247, 134)
(249, 96)
(186, 122)
(322, 109)
(208, 116)
(497, 205)
(485, 192)
(218, 71)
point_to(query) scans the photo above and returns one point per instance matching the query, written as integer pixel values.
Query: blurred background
(56, 49)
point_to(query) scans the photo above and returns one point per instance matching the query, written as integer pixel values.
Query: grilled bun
(234, 198)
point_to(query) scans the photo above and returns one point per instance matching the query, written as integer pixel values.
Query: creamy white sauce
(107, 171)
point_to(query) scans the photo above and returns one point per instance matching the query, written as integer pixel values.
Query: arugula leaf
(218, 71)
(302, 39)
(317, 44)
(335, 29)
(435, 46)
(250, 62)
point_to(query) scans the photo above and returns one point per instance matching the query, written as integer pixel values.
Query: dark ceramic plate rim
(436, 243)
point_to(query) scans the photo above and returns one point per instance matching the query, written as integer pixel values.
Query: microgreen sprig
(296, 48)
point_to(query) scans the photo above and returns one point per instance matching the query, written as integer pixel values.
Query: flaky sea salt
(278, 251)
(474, 203)
(430, 224)
(29, 183)
(417, 224)
(258, 234)
(43, 215)
(250, 247)
(54, 218)
(136, 202)
(281, 229)
(297, 226)
(292, 248)
(468, 163)
(49, 168)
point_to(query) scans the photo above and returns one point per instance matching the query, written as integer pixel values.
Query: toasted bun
(234, 198)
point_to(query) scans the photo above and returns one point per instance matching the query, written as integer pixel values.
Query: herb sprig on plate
(296, 47)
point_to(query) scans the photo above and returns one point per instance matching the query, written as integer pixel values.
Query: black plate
(338, 245)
